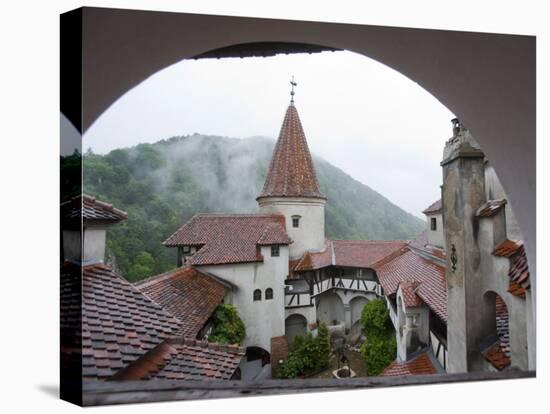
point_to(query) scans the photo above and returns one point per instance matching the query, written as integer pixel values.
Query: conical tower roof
(291, 172)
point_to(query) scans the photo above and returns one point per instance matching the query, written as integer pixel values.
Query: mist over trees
(162, 185)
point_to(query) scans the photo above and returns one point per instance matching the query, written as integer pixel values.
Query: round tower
(291, 188)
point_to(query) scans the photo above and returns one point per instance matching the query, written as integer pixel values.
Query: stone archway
(331, 309)
(121, 49)
(356, 308)
(295, 325)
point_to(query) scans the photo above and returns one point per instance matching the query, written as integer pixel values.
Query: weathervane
(292, 90)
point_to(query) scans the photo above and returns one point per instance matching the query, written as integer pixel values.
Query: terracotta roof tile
(291, 172)
(507, 248)
(89, 209)
(496, 356)
(410, 298)
(349, 253)
(519, 269)
(433, 208)
(119, 323)
(421, 243)
(229, 238)
(186, 293)
(408, 266)
(198, 360)
(490, 208)
(421, 365)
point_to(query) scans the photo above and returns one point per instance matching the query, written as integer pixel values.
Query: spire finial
(292, 90)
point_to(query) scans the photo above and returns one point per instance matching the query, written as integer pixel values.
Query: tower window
(433, 223)
(295, 221)
(268, 294)
(257, 295)
(275, 250)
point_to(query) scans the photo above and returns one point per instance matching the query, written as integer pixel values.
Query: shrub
(378, 353)
(380, 346)
(227, 326)
(375, 318)
(307, 354)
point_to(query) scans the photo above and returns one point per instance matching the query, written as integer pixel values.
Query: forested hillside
(162, 185)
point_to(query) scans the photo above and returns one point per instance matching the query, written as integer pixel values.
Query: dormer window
(433, 224)
(257, 295)
(275, 250)
(296, 221)
(186, 249)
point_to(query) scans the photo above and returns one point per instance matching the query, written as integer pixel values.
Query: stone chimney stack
(463, 192)
(84, 223)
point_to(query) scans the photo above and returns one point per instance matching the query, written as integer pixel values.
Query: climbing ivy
(227, 326)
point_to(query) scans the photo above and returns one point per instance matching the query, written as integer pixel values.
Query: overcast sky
(367, 119)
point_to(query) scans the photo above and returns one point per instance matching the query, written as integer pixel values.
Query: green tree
(227, 326)
(307, 354)
(380, 347)
(143, 265)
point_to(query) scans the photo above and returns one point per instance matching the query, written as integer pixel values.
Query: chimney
(84, 223)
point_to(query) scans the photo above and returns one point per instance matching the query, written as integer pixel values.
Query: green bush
(307, 354)
(380, 347)
(378, 353)
(227, 326)
(375, 318)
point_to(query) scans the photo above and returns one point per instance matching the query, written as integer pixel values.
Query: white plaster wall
(311, 233)
(263, 319)
(436, 237)
(493, 273)
(94, 245)
(493, 191)
(356, 306)
(331, 308)
(309, 312)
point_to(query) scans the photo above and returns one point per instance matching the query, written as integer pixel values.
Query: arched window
(268, 294)
(257, 295)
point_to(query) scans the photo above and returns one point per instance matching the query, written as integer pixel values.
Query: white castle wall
(263, 319)
(310, 235)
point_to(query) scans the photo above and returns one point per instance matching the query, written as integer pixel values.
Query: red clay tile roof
(433, 208)
(291, 172)
(497, 357)
(421, 243)
(89, 209)
(502, 325)
(187, 294)
(408, 266)
(519, 269)
(421, 365)
(490, 208)
(349, 253)
(119, 323)
(410, 298)
(229, 238)
(507, 248)
(187, 359)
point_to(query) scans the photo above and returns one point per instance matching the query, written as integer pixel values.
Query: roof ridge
(162, 276)
(186, 341)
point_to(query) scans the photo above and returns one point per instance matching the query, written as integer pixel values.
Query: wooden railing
(111, 392)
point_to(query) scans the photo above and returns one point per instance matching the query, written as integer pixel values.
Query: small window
(275, 250)
(257, 295)
(295, 221)
(186, 249)
(268, 294)
(433, 223)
